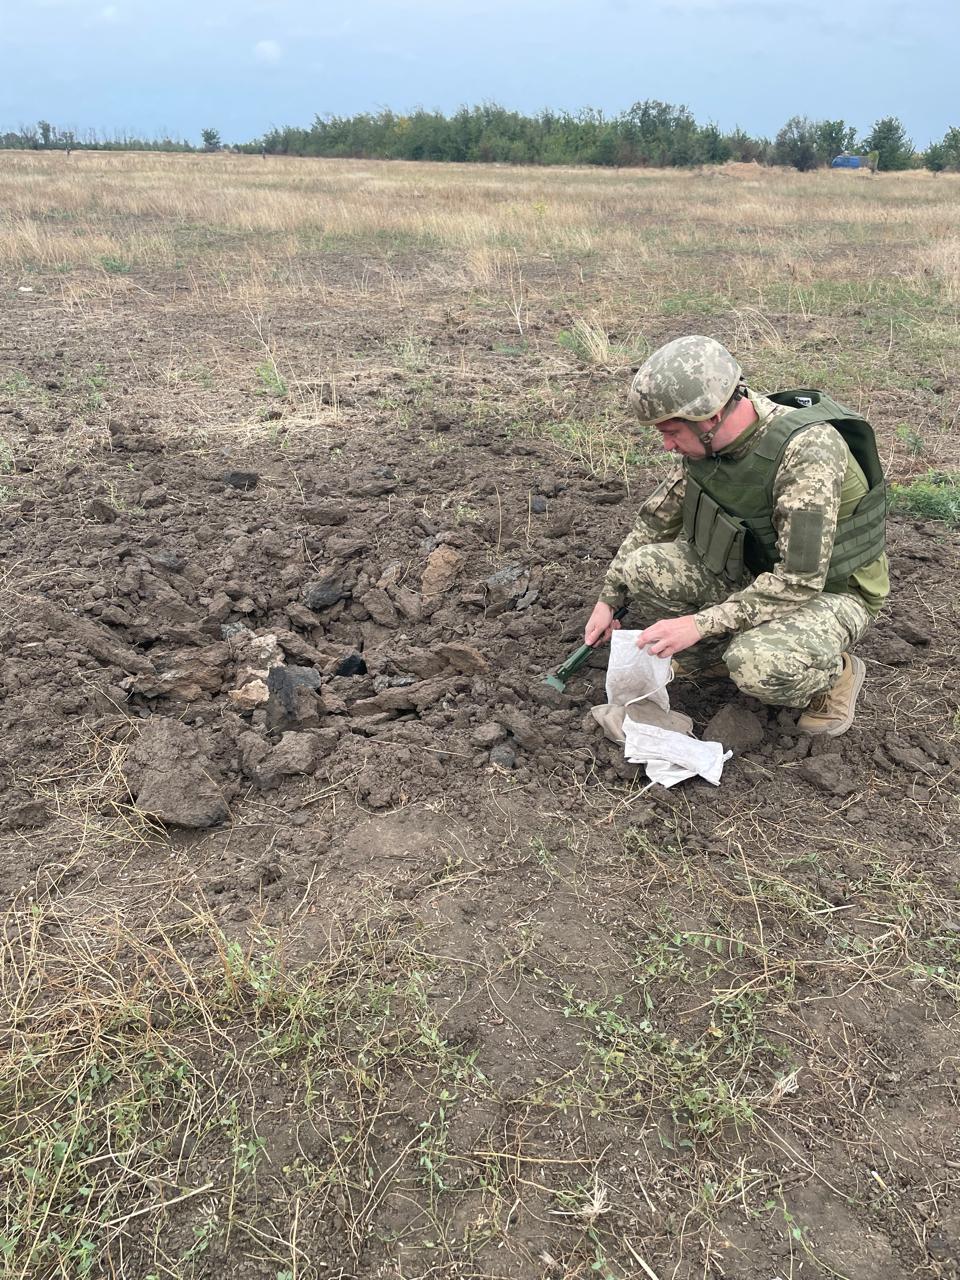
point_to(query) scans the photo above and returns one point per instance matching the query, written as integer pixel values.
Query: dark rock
(166, 559)
(323, 593)
(241, 479)
(352, 665)
(505, 587)
(738, 728)
(293, 701)
(172, 779)
(503, 756)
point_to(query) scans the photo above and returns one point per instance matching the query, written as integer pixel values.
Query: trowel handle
(579, 656)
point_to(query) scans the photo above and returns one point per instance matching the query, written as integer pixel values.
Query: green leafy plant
(272, 382)
(935, 496)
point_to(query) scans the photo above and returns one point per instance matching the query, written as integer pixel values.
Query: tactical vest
(728, 502)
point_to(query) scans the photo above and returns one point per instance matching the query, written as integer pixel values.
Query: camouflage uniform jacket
(811, 474)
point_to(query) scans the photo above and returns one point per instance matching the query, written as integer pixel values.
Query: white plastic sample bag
(634, 678)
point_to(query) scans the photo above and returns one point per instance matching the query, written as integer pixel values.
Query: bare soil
(705, 1032)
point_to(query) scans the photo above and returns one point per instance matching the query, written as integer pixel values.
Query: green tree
(796, 144)
(889, 139)
(951, 147)
(935, 157)
(210, 139)
(832, 138)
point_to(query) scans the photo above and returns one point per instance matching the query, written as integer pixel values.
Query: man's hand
(670, 636)
(600, 625)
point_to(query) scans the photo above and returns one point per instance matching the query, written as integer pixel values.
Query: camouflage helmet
(690, 378)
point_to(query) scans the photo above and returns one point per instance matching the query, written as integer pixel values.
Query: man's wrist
(613, 597)
(709, 624)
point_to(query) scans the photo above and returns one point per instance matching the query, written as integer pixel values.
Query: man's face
(677, 436)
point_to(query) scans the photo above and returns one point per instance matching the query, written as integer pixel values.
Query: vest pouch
(717, 537)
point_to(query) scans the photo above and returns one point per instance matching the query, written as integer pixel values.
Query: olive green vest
(728, 502)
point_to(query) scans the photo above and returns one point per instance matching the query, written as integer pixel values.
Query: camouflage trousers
(784, 663)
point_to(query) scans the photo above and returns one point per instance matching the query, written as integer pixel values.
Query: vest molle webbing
(728, 502)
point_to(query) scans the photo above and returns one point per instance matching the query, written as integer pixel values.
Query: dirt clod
(736, 726)
(826, 774)
(172, 779)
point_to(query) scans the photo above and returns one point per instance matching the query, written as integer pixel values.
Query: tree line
(650, 133)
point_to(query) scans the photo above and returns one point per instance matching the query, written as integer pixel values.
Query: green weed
(272, 382)
(935, 496)
(115, 266)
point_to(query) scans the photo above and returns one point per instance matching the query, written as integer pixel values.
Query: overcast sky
(157, 66)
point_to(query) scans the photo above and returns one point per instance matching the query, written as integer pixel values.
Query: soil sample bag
(637, 714)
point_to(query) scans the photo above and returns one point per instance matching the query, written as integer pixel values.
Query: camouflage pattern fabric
(785, 662)
(809, 480)
(690, 378)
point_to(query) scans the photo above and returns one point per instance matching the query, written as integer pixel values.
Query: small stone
(220, 607)
(507, 585)
(324, 593)
(503, 756)
(352, 665)
(241, 479)
(293, 701)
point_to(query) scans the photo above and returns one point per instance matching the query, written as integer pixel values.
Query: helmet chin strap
(707, 437)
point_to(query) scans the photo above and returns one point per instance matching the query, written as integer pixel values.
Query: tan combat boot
(832, 713)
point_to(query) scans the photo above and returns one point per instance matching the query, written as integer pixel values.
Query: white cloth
(634, 675)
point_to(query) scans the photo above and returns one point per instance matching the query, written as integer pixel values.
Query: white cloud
(267, 52)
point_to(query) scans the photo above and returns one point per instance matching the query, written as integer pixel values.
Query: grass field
(413, 1013)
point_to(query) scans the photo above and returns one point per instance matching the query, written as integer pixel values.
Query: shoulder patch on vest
(804, 541)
